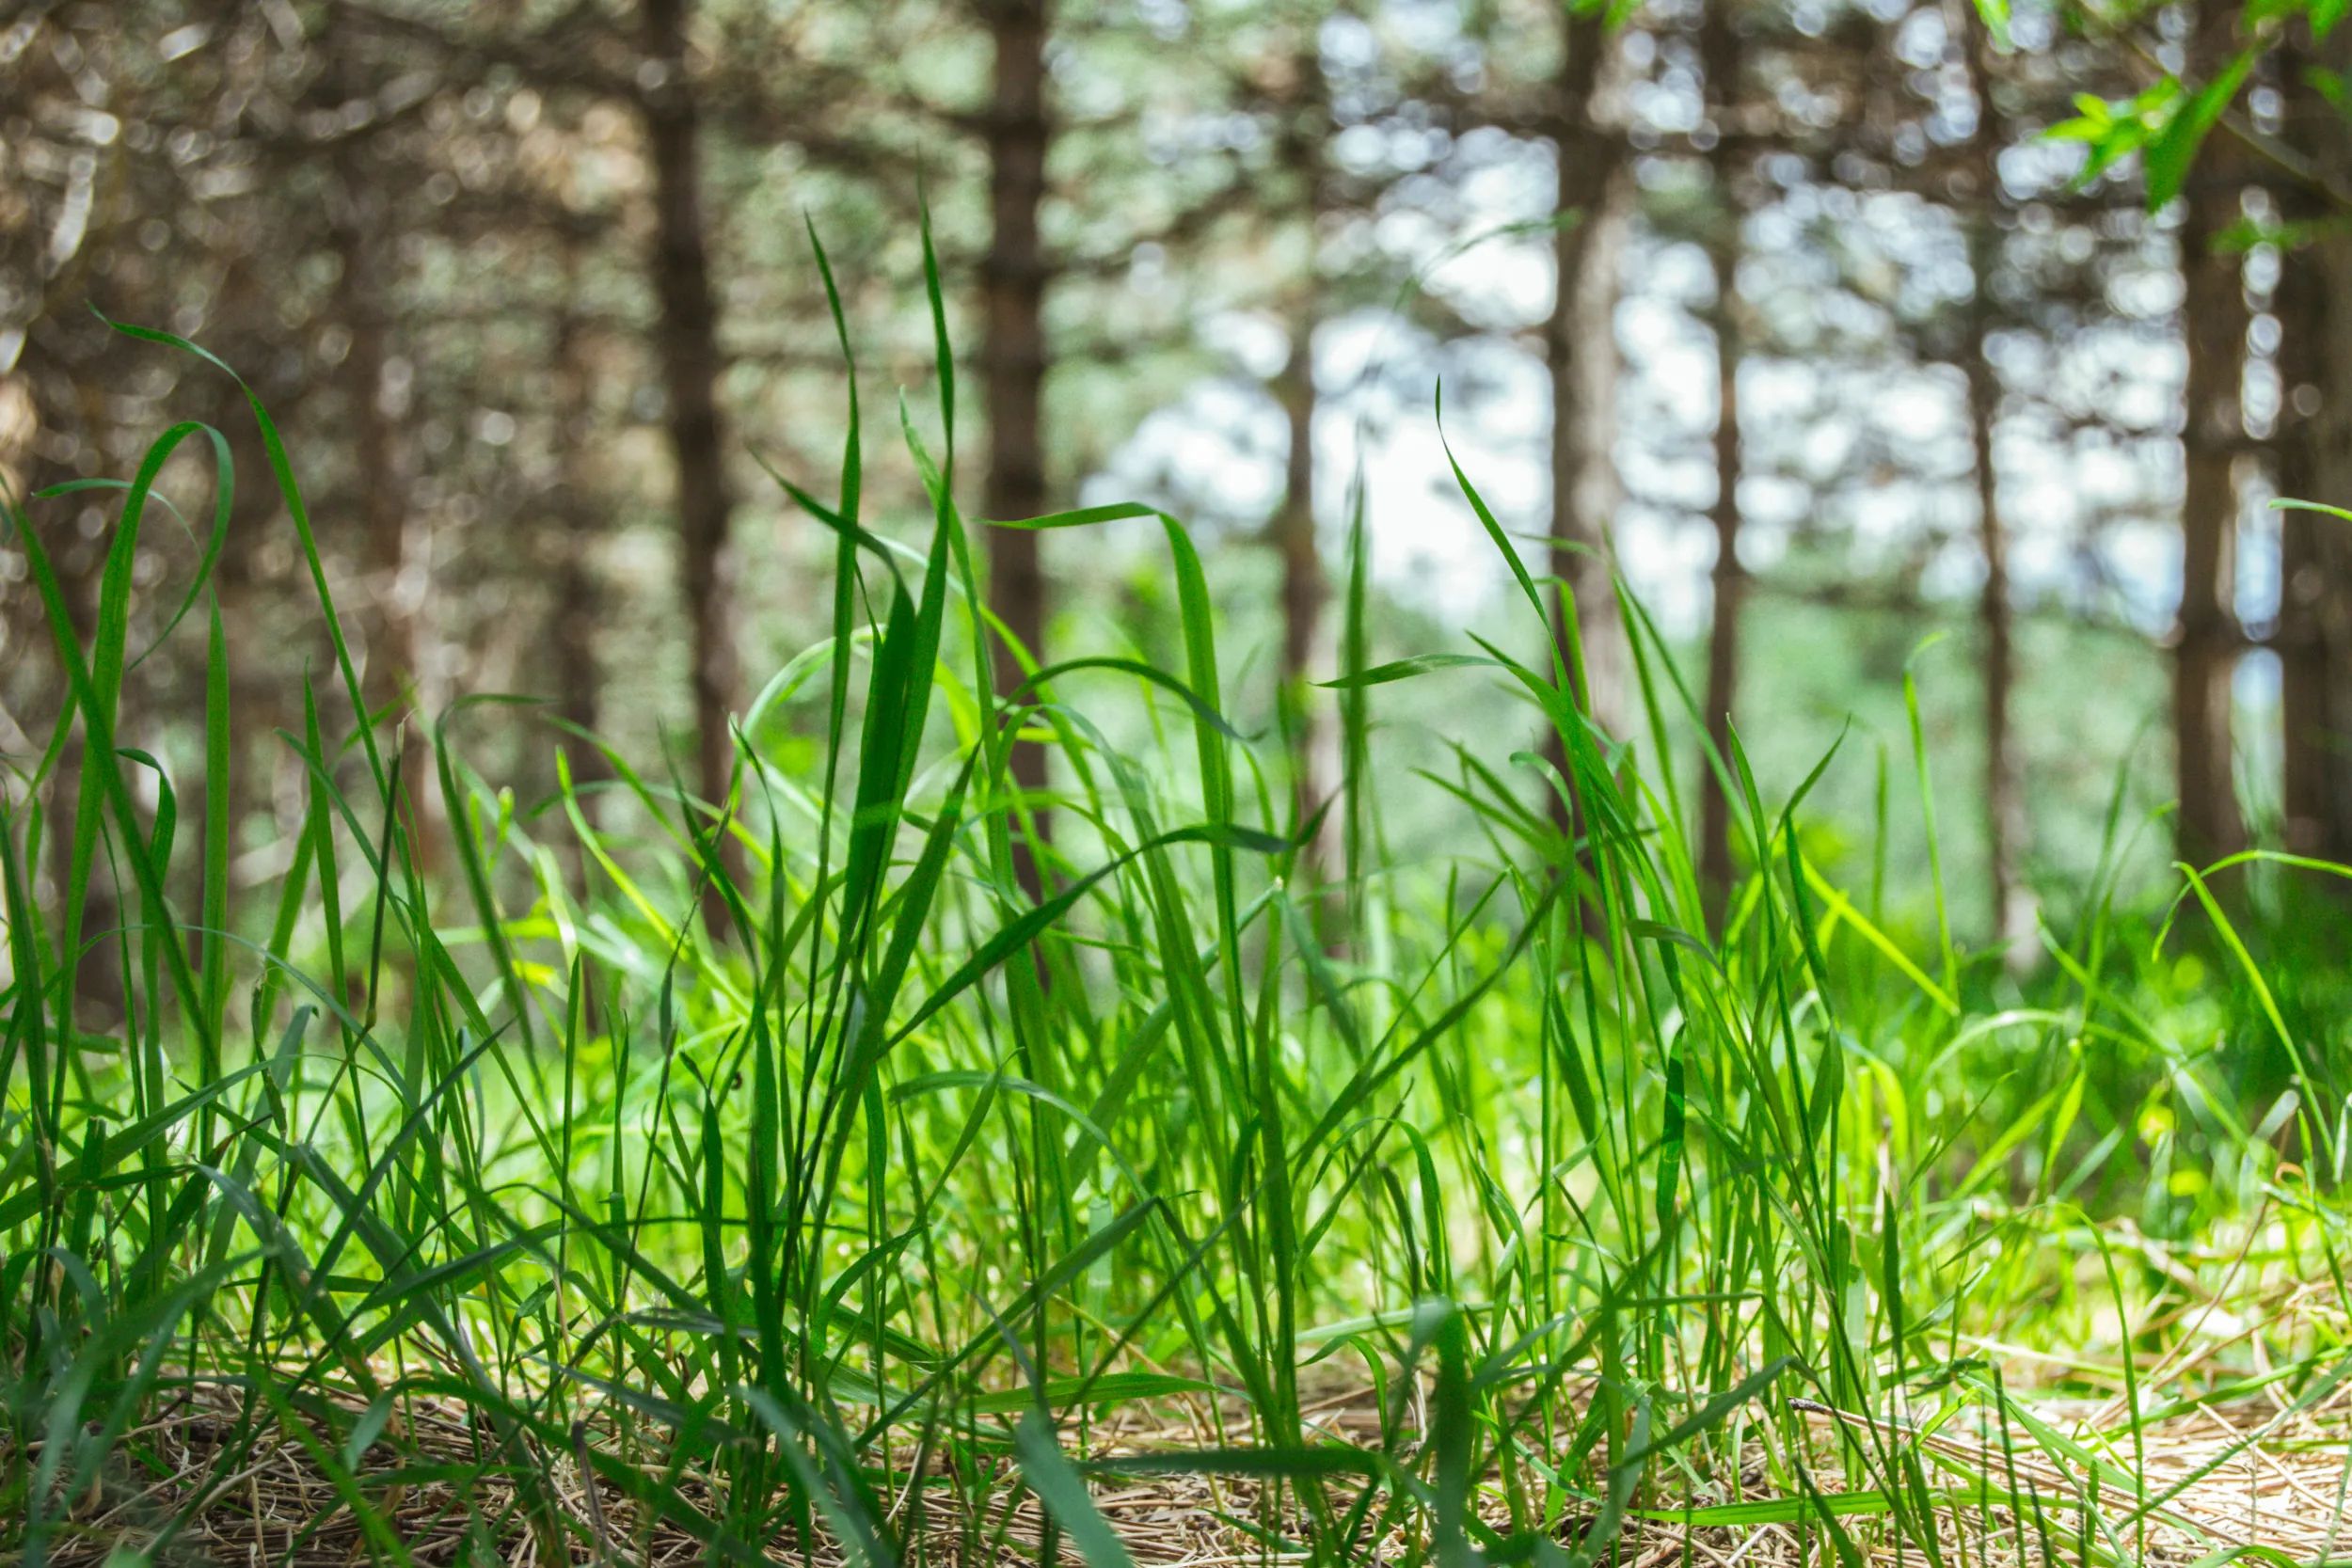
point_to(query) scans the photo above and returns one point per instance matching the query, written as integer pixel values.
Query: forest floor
(2250, 1475)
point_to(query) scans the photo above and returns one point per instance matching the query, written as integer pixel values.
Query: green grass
(779, 1160)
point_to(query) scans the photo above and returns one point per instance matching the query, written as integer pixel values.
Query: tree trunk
(575, 598)
(1581, 352)
(263, 777)
(258, 690)
(92, 952)
(687, 332)
(1302, 580)
(391, 550)
(2005, 823)
(2206, 637)
(2314, 463)
(1718, 47)
(1014, 360)
(1294, 529)
(2315, 737)
(2314, 631)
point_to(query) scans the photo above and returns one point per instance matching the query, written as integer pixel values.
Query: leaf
(366, 1429)
(2175, 148)
(1268, 1463)
(2285, 504)
(1191, 699)
(1658, 930)
(1994, 14)
(1064, 1494)
(2114, 131)
(1094, 1393)
(1079, 516)
(1711, 1413)
(1405, 670)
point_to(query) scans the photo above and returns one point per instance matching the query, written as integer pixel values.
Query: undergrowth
(825, 1169)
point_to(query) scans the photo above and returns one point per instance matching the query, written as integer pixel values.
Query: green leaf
(2285, 504)
(366, 1429)
(1406, 669)
(1064, 1494)
(1080, 517)
(2173, 149)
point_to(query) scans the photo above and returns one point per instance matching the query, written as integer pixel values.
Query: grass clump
(782, 1177)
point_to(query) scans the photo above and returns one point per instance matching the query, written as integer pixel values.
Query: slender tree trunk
(2314, 631)
(688, 334)
(1303, 590)
(68, 408)
(2005, 828)
(264, 779)
(2314, 463)
(93, 951)
(1294, 530)
(2206, 637)
(96, 961)
(1014, 358)
(575, 602)
(576, 593)
(258, 692)
(2312, 651)
(2004, 822)
(1580, 350)
(1719, 46)
(392, 548)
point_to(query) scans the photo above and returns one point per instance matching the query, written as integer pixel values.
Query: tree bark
(2313, 444)
(576, 600)
(1014, 361)
(1294, 526)
(2206, 636)
(1579, 351)
(2004, 822)
(1719, 49)
(392, 547)
(691, 363)
(2313, 638)
(92, 951)
(1302, 579)
(258, 694)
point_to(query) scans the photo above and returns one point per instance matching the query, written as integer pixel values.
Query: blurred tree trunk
(2213, 322)
(2314, 631)
(1302, 580)
(2004, 821)
(2314, 445)
(77, 397)
(688, 341)
(92, 951)
(1013, 361)
(575, 598)
(259, 693)
(1719, 49)
(60, 359)
(96, 958)
(1294, 529)
(1581, 352)
(391, 547)
(576, 595)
